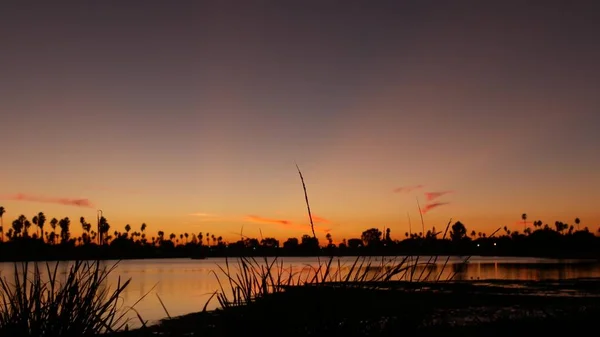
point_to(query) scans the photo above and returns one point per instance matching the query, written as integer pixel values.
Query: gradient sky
(157, 110)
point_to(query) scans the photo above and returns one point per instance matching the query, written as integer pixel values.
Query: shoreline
(462, 305)
(569, 258)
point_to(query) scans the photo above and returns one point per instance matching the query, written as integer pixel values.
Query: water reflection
(185, 285)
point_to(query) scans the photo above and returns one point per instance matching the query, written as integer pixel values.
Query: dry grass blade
(163, 306)
(312, 225)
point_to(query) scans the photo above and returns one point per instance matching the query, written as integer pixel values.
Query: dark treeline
(40, 239)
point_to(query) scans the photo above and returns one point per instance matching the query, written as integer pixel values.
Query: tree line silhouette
(33, 240)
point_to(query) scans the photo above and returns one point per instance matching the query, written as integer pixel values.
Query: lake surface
(185, 285)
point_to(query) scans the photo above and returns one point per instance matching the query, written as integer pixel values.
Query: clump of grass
(34, 304)
(251, 279)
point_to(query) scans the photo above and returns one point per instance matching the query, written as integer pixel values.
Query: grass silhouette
(38, 303)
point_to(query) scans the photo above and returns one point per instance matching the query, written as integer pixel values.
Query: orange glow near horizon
(197, 126)
(341, 226)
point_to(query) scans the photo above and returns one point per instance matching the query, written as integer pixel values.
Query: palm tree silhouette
(577, 222)
(2, 211)
(17, 227)
(27, 226)
(524, 217)
(35, 220)
(41, 222)
(64, 224)
(53, 224)
(22, 224)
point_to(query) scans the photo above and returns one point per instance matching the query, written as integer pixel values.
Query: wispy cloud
(429, 207)
(51, 200)
(318, 219)
(430, 196)
(307, 228)
(201, 214)
(407, 189)
(260, 219)
(288, 224)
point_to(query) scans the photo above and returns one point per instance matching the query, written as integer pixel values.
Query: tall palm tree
(103, 230)
(35, 220)
(64, 224)
(53, 224)
(24, 226)
(2, 211)
(524, 217)
(127, 229)
(27, 226)
(143, 228)
(577, 222)
(86, 229)
(41, 222)
(17, 227)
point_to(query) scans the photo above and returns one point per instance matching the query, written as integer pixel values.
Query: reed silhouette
(38, 301)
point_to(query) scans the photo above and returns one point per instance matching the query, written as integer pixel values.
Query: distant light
(477, 245)
(494, 243)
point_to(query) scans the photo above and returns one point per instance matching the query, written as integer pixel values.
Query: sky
(191, 116)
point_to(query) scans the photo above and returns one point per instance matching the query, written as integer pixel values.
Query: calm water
(185, 285)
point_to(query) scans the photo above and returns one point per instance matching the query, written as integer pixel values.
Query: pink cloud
(307, 228)
(256, 218)
(290, 224)
(318, 219)
(51, 200)
(434, 195)
(407, 189)
(429, 207)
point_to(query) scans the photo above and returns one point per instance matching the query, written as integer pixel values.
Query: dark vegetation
(35, 240)
(372, 298)
(41, 301)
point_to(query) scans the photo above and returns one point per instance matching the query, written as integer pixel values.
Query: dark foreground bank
(400, 308)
